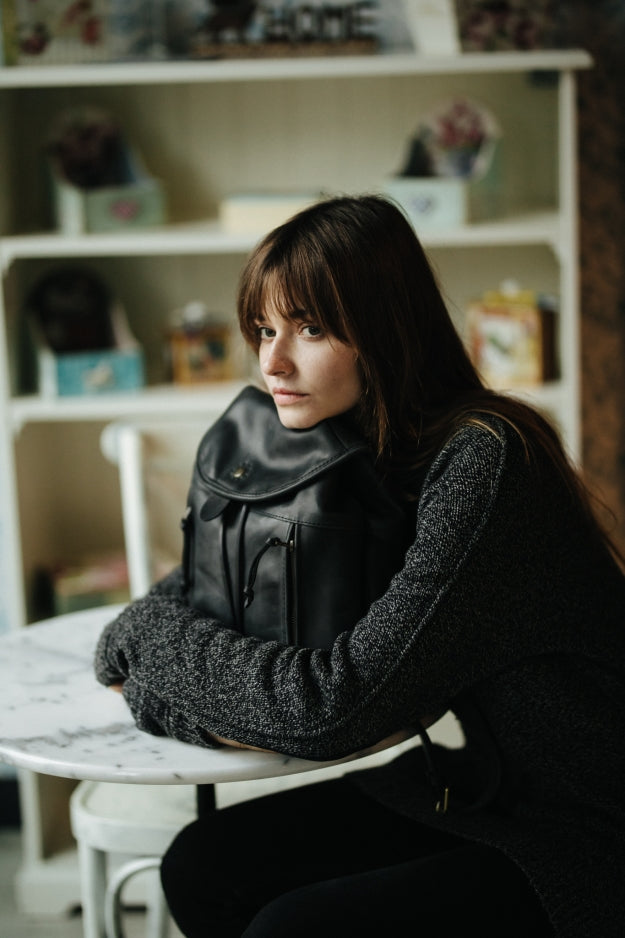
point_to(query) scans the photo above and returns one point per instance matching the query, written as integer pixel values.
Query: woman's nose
(275, 360)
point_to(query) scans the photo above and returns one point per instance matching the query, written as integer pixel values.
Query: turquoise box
(91, 372)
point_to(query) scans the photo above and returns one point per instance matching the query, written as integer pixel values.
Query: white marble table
(56, 719)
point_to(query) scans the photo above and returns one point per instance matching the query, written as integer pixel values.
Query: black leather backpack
(289, 534)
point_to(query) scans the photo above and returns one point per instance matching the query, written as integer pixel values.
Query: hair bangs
(290, 278)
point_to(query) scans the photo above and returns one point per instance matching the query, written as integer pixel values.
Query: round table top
(56, 719)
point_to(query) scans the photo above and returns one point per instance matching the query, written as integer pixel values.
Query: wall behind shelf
(6, 204)
(68, 494)
(465, 273)
(341, 134)
(150, 290)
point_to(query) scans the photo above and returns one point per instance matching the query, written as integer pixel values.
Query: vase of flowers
(459, 138)
(452, 148)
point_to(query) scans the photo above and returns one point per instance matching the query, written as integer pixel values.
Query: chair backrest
(155, 461)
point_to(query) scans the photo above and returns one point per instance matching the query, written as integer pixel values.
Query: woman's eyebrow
(296, 314)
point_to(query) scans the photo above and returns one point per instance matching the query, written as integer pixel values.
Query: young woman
(508, 611)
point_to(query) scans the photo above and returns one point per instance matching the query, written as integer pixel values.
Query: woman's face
(311, 375)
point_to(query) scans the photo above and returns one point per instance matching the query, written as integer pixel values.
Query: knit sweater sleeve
(427, 637)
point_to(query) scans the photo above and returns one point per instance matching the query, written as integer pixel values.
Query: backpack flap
(249, 455)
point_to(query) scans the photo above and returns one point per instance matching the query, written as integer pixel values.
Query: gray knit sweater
(505, 594)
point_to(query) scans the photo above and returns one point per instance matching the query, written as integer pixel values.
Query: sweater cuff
(153, 715)
(110, 665)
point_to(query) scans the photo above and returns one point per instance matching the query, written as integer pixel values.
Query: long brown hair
(356, 265)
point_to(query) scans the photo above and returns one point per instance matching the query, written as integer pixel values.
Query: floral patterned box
(430, 202)
(136, 204)
(53, 32)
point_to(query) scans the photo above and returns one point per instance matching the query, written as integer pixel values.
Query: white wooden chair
(155, 460)
(121, 831)
(137, 822)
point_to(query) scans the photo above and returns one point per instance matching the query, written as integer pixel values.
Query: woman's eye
(311, 330)
(264, 332)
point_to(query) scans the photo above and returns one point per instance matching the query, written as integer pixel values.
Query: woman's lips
(283, 396)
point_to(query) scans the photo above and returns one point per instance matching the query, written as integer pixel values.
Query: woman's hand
(235, 745)
(118, 687)
(392, 740)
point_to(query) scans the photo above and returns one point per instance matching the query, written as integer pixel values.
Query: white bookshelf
(208, 129)
(210, 238)
(246, 70)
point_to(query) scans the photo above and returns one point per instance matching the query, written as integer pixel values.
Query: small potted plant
(98, 181)
(453, 147)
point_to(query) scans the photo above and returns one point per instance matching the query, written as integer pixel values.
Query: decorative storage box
(511, 339)
(89, 372)
(258, 212)
(54, 32)
(430, 202)
(138, 203)
(201, 355)
(199, 345)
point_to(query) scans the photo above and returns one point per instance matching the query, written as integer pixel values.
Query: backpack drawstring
(248, 590)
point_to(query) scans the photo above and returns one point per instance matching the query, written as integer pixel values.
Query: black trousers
(325, 860)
